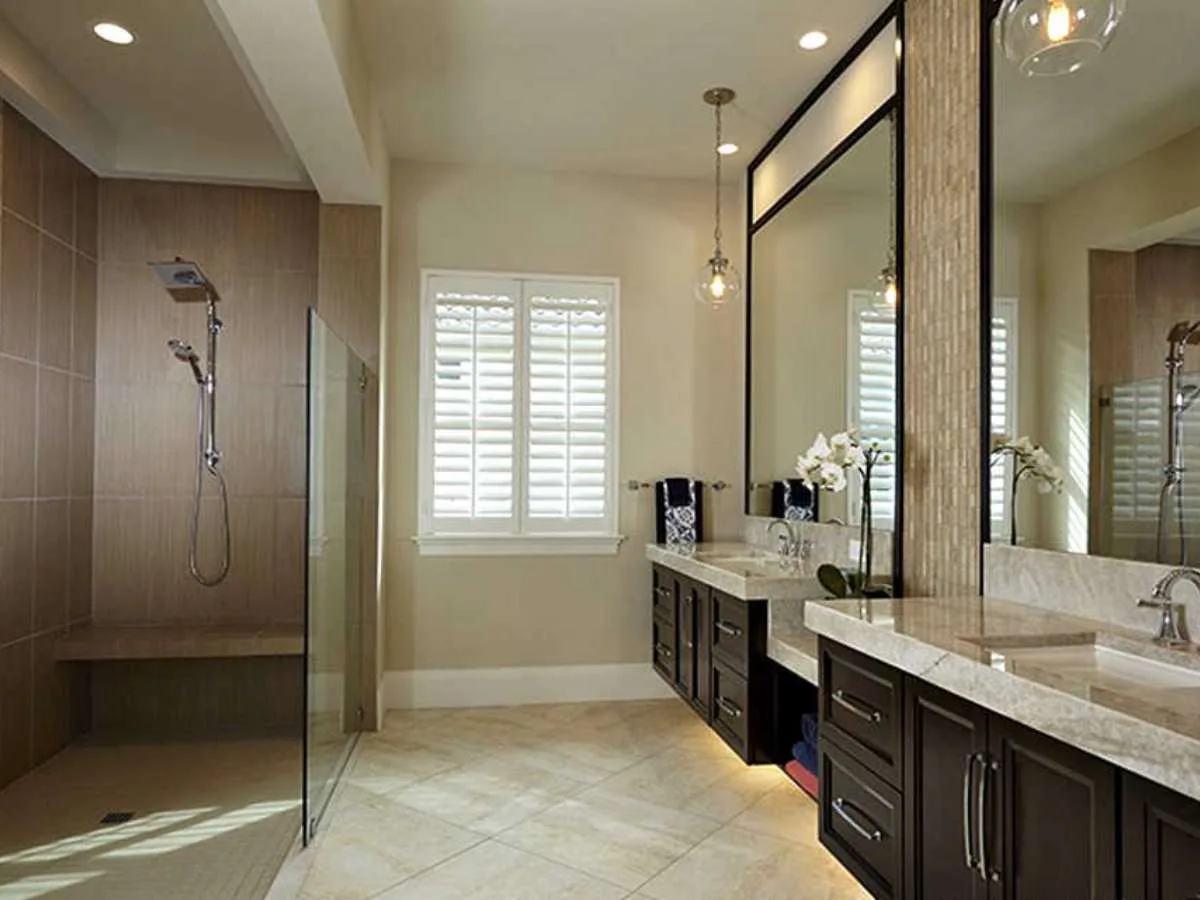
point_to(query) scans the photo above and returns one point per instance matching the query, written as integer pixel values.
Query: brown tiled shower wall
(942, 298)
(48, 235)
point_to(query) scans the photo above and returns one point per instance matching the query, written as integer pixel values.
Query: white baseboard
(442, 688)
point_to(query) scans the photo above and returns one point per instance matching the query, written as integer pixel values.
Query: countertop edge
(795, 660)
(750, 589)
(1144, 748)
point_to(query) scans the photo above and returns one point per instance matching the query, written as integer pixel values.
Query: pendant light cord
(717, 153)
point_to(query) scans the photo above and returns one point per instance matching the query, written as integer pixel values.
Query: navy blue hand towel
(808, 728)
(679, 511)
(794, 501)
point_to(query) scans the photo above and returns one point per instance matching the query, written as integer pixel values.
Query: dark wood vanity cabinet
(927, 796)
(1160, 842)
(711, 648)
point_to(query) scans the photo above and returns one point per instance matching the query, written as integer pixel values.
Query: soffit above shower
(176, 102)
(593, 85)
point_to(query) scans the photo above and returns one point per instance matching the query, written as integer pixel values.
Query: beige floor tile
(489, 796)
(375, 844)
(734, 864)
(615, 838)
(384, 766)
(492, 871)
(713, 784)
(785, 812)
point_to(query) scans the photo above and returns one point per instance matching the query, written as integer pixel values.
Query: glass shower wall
(1133, 452)
(340, 488)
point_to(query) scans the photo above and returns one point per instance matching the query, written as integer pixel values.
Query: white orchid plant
(1030, 461)
(827, 465)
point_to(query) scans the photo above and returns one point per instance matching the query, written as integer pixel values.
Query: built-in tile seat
(123, 642)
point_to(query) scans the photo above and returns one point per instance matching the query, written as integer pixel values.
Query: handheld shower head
(185, 282)
(1185, 333)
(185, 353)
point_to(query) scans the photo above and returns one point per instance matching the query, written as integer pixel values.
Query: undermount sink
(1083, 655)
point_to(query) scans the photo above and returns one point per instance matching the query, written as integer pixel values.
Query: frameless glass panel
(339, 501)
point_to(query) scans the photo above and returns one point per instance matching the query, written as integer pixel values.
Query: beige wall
(806, 261)
(47, 391)
(680, 405)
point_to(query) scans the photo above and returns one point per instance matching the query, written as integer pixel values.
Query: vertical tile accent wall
(942, 298)
(48, 234)
(259, 247)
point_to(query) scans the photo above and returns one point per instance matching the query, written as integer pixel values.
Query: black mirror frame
(894, 12)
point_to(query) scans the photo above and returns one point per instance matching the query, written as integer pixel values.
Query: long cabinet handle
(871, 833)
(730, 709)
(968, 778)
(986, 768)
(856, 707)
(728, 628)
(664, 650)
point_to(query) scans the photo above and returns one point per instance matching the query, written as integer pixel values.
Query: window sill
(518, 545)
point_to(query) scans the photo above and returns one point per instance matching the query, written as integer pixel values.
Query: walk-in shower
(1179, 402)
(187, 284)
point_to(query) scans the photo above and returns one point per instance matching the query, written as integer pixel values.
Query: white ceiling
(177, 99)
(593, 85)
(1053, 133)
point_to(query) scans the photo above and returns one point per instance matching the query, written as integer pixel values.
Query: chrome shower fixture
(185, 283)
(1179, 400)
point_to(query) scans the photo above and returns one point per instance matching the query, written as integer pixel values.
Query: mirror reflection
(822, 338)
(1095, 348)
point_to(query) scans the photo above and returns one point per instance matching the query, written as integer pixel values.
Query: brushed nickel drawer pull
(664, 650)
(968, 777)
(663, 592)
(851, 705)
(872, 833)
(730, 709)
(728, 628)
(986, 767)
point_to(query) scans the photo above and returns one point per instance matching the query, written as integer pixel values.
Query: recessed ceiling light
(813, 40)
(728, 149)
(113, 33)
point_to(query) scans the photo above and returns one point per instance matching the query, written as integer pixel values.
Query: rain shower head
(185, 353)
(185, 282)
(1185, 333)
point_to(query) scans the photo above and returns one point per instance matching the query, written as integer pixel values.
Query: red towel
(804, 778)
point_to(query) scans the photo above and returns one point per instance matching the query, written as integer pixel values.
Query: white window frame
(518, 535)
(856, 301)
(1008, 309)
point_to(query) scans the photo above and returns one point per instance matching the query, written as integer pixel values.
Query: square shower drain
(116, 818)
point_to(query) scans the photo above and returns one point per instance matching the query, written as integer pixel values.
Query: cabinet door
(1054, 814)
(946, 740)
(1161, 840)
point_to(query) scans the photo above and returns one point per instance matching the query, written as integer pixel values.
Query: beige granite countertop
(1130, 702)
(741, 570)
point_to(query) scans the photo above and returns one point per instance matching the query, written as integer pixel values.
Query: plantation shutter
(474, 347)
(1003, 410)
(873, 398)
(518, 407)
(569, 433)
(1139, 446)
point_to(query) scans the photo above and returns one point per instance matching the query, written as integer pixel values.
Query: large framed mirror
(823, 312)
(1094, 278)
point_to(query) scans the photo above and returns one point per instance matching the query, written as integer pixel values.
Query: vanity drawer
(731, 707)
(861, 700)
(662, 595)
(664, 650)
(861, 820)
(731, 632)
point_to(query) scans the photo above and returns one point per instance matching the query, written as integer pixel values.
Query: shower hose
(210, 464)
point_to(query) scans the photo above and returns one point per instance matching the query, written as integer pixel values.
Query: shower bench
(96, 643)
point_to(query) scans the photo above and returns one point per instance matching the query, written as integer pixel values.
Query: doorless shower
(1179, 401)
(187, 284)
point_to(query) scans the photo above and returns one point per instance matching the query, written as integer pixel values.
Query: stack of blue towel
(805, 751)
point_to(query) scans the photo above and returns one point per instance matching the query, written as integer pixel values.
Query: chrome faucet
(1171, 629)
(789, 545)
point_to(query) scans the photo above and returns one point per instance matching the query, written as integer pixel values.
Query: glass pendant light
(1056, 37)
(719, 283)
(888, 276)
